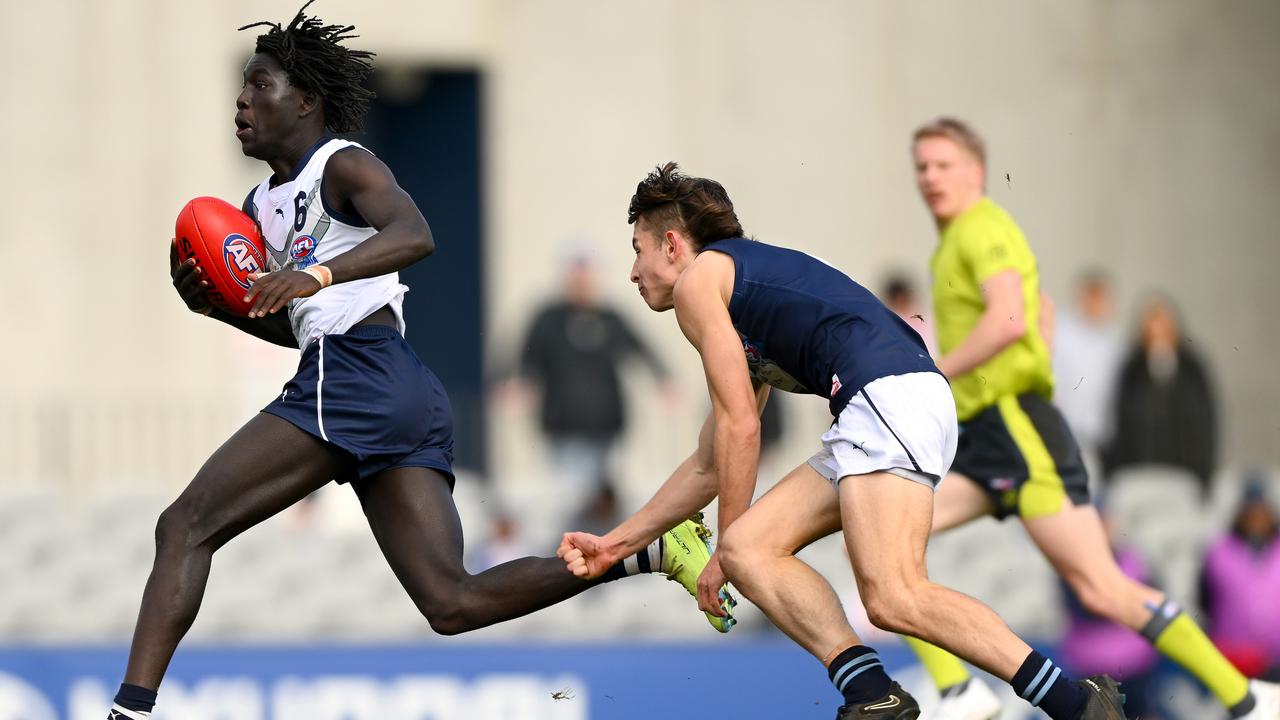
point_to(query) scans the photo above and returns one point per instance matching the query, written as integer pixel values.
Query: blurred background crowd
(1135, 143)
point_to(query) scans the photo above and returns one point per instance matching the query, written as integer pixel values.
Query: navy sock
(859, 675)
(647, 560)
(1045, 686)
(956, 689)
(133, 697)
(1244, 707)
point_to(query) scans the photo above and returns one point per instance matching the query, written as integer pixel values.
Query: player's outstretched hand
(274, 290)
(584, 554)
(189, 281)
(709, 584)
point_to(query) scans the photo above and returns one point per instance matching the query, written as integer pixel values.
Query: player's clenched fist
(585, 555)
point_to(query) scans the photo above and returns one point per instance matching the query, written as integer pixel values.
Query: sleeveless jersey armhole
(247, 207)
(738, 287)
(352, 219)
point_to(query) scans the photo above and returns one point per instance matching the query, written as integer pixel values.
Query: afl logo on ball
(302, 248)
(243, 258)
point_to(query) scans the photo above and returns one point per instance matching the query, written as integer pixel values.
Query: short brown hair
(957, 131)
(700, 207)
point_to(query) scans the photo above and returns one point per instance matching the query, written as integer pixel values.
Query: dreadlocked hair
(315, 61)
(700, 207)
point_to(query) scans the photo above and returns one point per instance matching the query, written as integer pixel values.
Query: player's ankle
(648, 560)
(956, 689)
(134, 702)
(1043, 684)
(859, 675)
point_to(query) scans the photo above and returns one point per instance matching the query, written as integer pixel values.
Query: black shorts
(1021, 452)
(366, 393)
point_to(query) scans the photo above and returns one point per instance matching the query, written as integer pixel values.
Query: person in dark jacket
(1165, 411)
(573, 355)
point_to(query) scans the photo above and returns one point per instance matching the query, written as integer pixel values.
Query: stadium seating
(1159, 511)
(74, 571)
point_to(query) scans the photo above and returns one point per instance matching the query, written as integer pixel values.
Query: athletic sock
(134, 702)
(120, 713)
(954, 690)
(646, 561)
(947, 671)
(1178, 637)
(859, 675)
(1045, 686)
(1244, 707)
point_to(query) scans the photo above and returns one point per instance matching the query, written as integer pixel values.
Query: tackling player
(762, 316)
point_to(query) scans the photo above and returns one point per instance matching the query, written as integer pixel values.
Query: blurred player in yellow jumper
(1016, 456)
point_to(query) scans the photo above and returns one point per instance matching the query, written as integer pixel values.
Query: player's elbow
(424, 243)
(448, 625)
(1011, 327)
(1016, 329)
(743, 430)
(446, 614)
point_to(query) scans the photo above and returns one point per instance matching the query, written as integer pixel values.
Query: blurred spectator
(503, 543)
(1087, 353)
(1092, 645)
(900, 296)
(1240, 587)
(574, 352)
(1165, 410)
(601, 514)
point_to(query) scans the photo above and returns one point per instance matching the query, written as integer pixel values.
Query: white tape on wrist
(322, 274)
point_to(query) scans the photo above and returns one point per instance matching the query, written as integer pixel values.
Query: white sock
(119, 713)
(652, 557)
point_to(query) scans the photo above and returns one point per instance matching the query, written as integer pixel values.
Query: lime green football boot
(686, 550)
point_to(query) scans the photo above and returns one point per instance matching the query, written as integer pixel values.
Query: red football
(227, 247)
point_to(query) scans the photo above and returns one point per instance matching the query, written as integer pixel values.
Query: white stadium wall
(1140, 136)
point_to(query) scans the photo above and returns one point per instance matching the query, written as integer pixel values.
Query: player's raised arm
(702, 310)
(360, 184)
(689, 489)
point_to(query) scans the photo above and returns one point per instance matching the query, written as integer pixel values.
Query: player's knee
(1094, 598)
(183, 526)
(891, 610)
(173, 528)
(734, 552)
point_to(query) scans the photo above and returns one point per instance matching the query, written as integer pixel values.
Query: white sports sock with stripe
(647, 560)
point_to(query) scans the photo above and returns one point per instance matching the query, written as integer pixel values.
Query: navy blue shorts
(367, 394)
(1022, 454)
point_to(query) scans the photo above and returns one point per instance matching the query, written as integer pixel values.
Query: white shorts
(901, 424)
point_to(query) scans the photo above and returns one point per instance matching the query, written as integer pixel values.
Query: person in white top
(1087, 353)
(362, 407)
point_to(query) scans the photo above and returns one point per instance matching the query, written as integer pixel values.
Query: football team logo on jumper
(243, 258)
(302, 248)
